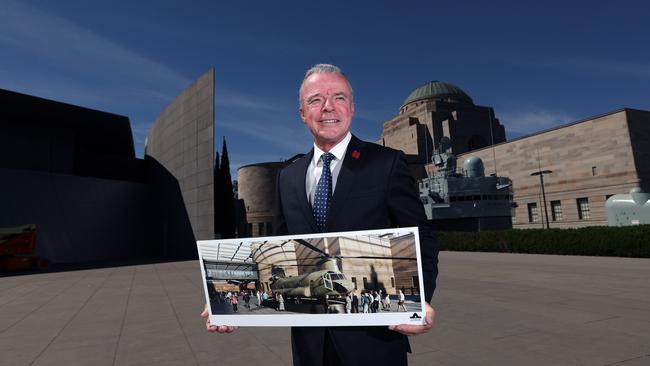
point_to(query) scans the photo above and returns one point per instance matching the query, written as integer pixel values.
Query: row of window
(582, 205)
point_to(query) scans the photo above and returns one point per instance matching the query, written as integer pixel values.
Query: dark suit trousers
(344, 345)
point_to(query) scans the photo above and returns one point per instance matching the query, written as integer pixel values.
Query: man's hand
(215, 328)
(410, 330)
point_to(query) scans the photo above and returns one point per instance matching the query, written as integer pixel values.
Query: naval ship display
(465, 200)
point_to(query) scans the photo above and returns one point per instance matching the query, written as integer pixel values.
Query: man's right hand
(215, 328)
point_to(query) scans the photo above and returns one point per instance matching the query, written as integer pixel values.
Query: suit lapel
(301, 190)
(345, 180)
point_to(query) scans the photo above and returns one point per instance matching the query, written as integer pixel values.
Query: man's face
(327, 108)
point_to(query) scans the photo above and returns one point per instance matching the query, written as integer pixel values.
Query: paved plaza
(492, 309)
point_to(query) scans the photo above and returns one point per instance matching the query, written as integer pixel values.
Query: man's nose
(328, 105)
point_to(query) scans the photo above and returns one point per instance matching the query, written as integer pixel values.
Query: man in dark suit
(366, 187)
(345, 184)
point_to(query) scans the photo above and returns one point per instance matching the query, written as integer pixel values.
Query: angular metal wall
(182, 140)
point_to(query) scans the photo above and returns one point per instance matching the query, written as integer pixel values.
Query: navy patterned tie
(323, 194)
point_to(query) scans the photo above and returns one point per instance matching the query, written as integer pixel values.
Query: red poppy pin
(356, 154)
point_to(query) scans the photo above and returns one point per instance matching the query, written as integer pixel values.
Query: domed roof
(438, 90)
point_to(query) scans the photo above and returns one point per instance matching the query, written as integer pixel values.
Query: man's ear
(302, 114)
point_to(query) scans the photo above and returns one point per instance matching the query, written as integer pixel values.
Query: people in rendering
(280, 302)
(233, 302)
(366, 302)
(387, 302)
(400, 301)
(348, 304)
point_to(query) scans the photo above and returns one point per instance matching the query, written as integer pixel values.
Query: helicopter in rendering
(328, 285)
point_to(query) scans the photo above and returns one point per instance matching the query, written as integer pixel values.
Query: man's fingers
(430, 315)
(411, 329)
(226, 329)
(215, 328)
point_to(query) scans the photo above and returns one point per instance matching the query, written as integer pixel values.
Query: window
(260, 228)
(354, 280)
(416, 283)
(250, 229)
(532, 212)
(583, 208)
(365, 283)
(392, 282)
(607, 196)
(594, 171)
(556, 210)
(269, 228)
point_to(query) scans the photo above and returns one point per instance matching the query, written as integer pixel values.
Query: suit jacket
(374, 190)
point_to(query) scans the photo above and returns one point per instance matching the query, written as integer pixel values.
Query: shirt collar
(338, 150)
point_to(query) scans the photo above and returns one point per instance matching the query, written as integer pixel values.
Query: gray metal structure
(628, 209)
(465, 200)
(229, 261)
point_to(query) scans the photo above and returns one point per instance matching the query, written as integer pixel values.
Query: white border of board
(309, 320)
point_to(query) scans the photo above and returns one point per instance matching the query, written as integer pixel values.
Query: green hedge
(627, 241)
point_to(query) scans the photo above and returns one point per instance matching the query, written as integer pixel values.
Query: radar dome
(473, 167)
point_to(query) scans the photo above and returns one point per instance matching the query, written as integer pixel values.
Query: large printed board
(355, 278)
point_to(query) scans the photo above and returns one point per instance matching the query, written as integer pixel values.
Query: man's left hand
(409, 330)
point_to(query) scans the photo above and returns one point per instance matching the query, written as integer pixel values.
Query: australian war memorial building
(586, 161)
(439, 109)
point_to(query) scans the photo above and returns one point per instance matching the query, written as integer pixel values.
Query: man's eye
(314, 101)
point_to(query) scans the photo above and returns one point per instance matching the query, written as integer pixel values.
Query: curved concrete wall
(182, 140)
(256, 187)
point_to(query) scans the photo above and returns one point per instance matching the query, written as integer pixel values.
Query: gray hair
(322, 69)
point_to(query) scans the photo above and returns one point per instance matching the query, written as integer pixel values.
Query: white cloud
(80, 53)
(598, 66)
(230, 98)
(604, 66)
(288, 137)
(533, 119)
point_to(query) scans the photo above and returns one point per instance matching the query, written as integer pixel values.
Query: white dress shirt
(315, 168)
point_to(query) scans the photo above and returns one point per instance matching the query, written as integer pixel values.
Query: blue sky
(538, 64)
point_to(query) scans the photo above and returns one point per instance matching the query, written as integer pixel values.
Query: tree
(224, 205)
(216, 196)
(228, 202)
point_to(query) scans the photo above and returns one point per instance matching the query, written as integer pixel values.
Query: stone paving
(492, 309)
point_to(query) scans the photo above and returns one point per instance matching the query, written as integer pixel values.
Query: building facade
(589, 160)
(439, 109)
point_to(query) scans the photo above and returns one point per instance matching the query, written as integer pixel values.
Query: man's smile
(329, 120)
